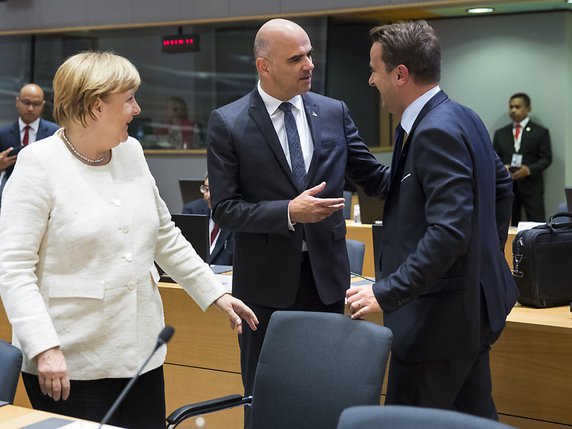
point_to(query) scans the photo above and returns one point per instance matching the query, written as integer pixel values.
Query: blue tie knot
(286, 106)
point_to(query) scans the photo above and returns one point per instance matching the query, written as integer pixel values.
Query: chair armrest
(205, 407)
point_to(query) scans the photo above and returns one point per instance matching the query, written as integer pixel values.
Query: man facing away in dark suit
(445, 286)
(222, 240)
(277, 158)
(27, 129)
(524, 148)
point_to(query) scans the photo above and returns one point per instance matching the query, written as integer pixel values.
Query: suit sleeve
(230, 210)
(445, 170)
(362, 167)
(504, 197)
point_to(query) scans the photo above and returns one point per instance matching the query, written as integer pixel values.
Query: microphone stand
(164, 337)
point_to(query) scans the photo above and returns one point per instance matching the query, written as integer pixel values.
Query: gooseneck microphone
(164, 337)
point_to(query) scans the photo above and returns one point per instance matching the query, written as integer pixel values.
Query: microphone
(163, 338)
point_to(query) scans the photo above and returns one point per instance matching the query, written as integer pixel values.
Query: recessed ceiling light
(483, 9)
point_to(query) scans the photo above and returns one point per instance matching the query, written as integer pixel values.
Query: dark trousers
(143, 407)
(462, 384)
(533, 206)
(250, 341)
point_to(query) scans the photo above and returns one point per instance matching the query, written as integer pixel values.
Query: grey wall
(487, 59)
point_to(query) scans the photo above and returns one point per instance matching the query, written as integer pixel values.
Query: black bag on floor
(542, 261)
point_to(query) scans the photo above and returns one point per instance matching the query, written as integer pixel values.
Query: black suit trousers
(459, 382)
(533, 205)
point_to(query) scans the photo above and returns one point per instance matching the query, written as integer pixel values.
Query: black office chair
(356, 252)
(312, 366)
(10, 366)
(402, 417)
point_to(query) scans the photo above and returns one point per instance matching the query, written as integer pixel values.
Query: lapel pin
(527, 128)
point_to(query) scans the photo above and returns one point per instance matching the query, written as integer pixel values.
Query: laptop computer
(190, 189)
(195, 228)
(371, 208)
(568, 192)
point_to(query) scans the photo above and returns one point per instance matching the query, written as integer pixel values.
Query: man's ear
(402, 74)
(263, 66)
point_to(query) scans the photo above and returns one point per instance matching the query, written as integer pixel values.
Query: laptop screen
(195, 228)
(190, 189)
(371, 208)
(568, 192)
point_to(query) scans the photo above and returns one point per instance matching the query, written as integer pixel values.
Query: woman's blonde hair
(85, 77)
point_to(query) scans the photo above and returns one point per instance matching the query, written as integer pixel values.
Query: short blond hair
(85, 77)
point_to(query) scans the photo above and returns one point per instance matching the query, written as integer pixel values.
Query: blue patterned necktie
(296, 156)
(397, 147)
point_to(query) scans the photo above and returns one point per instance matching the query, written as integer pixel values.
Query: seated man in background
(222, 241)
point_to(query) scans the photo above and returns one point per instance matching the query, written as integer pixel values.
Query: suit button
(129, 257)
(116, 202)
(131, 285)
(124, 229)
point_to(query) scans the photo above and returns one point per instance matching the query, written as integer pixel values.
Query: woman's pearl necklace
(79, 155)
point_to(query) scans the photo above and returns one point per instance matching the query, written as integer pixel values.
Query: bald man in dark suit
(29, 128)
(277, 159)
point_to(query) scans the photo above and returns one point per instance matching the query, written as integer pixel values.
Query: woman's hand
(236, 310)
(53, 374)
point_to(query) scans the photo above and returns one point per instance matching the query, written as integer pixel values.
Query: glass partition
(179, 90)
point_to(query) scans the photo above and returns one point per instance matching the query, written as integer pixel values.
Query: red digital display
(181, 43)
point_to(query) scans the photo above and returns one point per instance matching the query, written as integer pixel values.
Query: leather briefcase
(542, 261)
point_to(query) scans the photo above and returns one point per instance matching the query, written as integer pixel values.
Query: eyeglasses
(204, 189)
(34, 104)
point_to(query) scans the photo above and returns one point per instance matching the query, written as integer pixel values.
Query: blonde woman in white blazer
(81, 225)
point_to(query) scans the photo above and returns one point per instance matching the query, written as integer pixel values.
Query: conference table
(530, 363)
(15, 417)
(362, 232)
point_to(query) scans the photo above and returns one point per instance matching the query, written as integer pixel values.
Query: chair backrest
(356, 252)
(402, 417)
(313, 366)
(10, 366)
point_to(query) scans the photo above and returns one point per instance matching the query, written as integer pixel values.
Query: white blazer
(77, 245)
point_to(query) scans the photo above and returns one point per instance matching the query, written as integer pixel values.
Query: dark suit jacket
(223, 251)
(10, 137)
(536, 154)
(251, 186)
(444, 227)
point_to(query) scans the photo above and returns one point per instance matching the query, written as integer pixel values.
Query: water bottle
(357, 214)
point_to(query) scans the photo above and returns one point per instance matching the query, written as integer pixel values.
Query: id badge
(516, 160)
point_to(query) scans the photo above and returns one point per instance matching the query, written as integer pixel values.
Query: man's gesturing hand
(307, 208)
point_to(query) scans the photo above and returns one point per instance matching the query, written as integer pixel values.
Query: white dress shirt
(32, 131)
